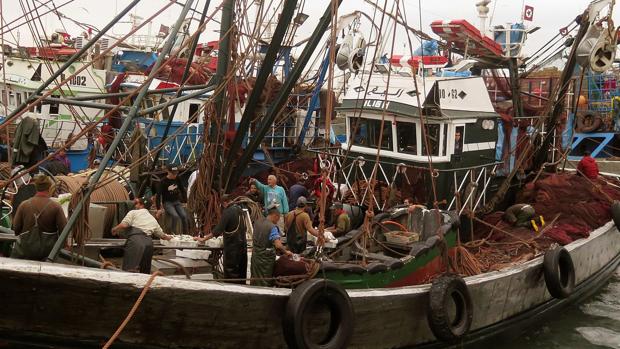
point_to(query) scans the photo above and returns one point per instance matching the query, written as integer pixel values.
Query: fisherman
(318, 185)
(254, 194)
(139, 243)
(38, 222)
(168, 200)
(587, 166)
(298, 222)
(297, 190)
(520, 215)
(343, 221)
(458, 143)
(232, 226)
(273, 194)
(265, 242)
(62, 158)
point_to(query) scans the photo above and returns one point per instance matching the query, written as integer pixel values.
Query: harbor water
(592, 324)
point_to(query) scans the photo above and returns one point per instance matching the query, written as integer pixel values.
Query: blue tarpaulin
(428, 48)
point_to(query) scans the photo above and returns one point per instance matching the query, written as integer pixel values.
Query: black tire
(447, 292)
(559, 272)
(615, 213)
(302, 299)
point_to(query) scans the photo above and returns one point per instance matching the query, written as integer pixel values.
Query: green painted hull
(414, 271)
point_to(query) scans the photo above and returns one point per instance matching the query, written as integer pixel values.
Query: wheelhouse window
(432, 133)
(407, 138)
(193, 112)
(458, 139)
(368, 133)
(54, 107)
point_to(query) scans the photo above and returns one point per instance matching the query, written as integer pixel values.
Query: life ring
(303, 299)
(596, 122)
(559, 272)
(615, 213)
(449, 292)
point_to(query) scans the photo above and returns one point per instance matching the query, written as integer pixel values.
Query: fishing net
(571, 206)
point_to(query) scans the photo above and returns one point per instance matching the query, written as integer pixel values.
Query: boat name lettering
(448, 93)
(376, 104)
(78, 80)
(375, 91)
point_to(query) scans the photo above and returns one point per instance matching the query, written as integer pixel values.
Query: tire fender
(615, 213)
(559, 272)
(303, 299)
(449, 291)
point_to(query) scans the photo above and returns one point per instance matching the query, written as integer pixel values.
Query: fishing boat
(372, 289)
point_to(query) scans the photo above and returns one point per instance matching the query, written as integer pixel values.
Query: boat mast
(282, 97)
(265, 71)
(121, 132)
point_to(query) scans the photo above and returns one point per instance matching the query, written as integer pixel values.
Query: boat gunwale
(139, 280)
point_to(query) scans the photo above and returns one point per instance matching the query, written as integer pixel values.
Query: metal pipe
(261, 79)
(52, 100)
(34, 95)
(124, 127)
(150, 92)
(282, 97)
(89, 262)
(183, 80)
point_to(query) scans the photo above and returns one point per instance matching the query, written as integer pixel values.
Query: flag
(163, 30)
(528, 13)
(564, 31)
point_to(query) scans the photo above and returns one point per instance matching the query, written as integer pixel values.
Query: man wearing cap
(273, 194)
(232, 226)
(343, 221)
(38, 215)
(168, 200)
(139, 244)
(265, 242)
(297, 222)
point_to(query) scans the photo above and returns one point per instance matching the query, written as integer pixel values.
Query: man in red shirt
(587, 166)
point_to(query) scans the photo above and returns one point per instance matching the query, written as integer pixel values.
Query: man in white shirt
(139, 243)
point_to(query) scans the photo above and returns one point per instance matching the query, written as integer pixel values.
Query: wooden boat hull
(87, 305)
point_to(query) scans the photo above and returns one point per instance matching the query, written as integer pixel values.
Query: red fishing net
(571, 206)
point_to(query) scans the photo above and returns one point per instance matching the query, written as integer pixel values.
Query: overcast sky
(550, 15)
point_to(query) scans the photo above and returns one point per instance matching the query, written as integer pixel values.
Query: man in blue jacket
(273, 194)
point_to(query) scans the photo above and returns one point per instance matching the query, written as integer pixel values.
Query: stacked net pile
(571, 206)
